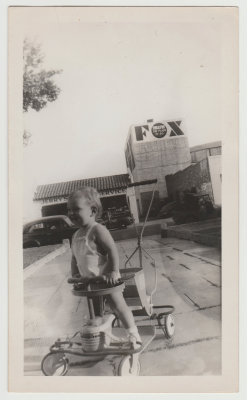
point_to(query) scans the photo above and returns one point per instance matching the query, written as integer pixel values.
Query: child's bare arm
(107, 244)
(74, 268)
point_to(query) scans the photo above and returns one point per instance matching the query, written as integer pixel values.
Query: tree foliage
(38, 85)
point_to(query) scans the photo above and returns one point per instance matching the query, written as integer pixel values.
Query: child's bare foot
(135, 340)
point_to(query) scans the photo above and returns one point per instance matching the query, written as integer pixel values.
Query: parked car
(48, 230)
(166, 210)
(115, 223)
(194, 207)
(116, 219)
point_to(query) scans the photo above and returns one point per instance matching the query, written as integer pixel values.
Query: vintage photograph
(122, 139)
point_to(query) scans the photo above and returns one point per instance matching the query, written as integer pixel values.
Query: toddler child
(94, 252)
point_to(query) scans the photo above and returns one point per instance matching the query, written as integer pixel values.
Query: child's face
(80, 212)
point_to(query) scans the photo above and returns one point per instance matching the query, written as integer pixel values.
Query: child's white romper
(89, 261)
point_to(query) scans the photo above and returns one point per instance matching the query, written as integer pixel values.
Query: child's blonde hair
(91, 195)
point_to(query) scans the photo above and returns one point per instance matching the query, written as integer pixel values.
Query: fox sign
(158, 130)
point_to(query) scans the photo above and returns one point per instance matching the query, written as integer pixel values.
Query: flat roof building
(154, 150)
(202, 151)
(203, 176)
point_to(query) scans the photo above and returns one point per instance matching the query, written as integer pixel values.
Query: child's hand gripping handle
(99, 279)
(95, 279)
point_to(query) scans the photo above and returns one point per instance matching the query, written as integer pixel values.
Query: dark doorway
(116, 202)
(54, 209)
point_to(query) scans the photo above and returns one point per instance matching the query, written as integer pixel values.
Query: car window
(64, 224)
(67, 222)
(36, 227)
(53, 225)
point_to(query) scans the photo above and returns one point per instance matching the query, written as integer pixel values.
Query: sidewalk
(206, 232)
(185, 279)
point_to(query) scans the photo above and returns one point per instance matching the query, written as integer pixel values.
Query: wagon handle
(140, 183)
(98, 279)
(139, 235)
(148, 182)
(149, 208)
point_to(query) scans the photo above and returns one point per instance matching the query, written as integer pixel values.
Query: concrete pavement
(206, 232)
(189, 277)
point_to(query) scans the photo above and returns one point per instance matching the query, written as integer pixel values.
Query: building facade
(154, 150)
(203, 176)
(112, 189)
(203, 151)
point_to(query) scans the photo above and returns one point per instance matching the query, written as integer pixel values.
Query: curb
(180, 232)
(195, 237)
(28, 271)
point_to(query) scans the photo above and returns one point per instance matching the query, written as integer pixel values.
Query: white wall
(132, 202)
(214, 163)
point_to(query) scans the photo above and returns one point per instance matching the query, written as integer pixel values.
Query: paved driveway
(186, 279)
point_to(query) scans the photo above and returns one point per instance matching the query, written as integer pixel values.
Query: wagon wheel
(125, 368)
(54, 363)
(116, 323)
(167, 324)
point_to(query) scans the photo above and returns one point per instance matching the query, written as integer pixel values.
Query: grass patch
(36, 253)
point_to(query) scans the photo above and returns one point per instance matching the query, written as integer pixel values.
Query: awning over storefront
(106, 185)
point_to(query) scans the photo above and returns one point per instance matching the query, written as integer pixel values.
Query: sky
(119, 71)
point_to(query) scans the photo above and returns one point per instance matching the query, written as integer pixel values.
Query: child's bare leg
(119, 306)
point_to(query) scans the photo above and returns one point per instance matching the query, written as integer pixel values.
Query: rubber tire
(51, 370)
(116, 323)
(124, 367)
(169, 326)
